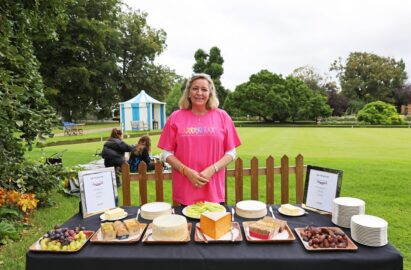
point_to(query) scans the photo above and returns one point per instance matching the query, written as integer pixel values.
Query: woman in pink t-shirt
(199, 141)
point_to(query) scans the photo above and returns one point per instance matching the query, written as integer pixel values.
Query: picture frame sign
(322, 186)
(98, 191)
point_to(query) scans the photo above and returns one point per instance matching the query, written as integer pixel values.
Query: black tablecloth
(192, 255)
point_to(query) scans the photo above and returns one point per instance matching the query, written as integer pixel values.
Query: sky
(278, 35)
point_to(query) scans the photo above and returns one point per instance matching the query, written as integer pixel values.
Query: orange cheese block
(215, 224)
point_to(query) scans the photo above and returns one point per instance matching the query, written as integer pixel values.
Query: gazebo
(142, 112)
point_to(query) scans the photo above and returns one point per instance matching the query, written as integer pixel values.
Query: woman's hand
(208, 172)
(197, 179)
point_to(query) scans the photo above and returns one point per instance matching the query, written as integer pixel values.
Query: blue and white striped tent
(142, 108)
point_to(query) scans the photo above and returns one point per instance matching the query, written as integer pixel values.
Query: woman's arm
(145, 156)
(193, 176)
(220, 164)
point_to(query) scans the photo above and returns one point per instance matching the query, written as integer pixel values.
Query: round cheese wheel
(169, 228)
(155, 209)
(251, 209)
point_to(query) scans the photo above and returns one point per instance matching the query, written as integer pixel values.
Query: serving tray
(238, 237)
(148, 239)
(98, 237)
(36, 245)
(284, 237)
(350, 244)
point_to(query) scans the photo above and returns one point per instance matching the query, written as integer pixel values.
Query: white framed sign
(322, 186)
(98, 190)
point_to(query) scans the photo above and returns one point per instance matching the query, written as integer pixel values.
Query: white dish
(300, 213)
(369, 230)
(185, 212)
(103, 217)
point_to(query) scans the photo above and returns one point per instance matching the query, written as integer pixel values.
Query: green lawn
(376, 164)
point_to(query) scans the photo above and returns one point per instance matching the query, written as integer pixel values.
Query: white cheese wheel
(251, 209)
(152, 210)
(170, 228)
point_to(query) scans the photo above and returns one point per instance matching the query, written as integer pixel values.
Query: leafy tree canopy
(80, 67)
(273, 98)
(24, 111)
(368, 77)
(102, 56)
(311, 78)
(140, 45)
(211, 64)
(174, 95)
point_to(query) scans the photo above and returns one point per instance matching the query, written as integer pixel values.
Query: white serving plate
(300, 213)
(103, 217)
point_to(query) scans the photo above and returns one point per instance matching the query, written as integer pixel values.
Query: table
(190, 256)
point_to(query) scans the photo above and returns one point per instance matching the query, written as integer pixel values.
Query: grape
(63, 239)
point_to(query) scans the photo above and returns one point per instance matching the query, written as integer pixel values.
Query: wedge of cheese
(215, 224)
(114, 213)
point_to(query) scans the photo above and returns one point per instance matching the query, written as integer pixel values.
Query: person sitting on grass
(141, 152)
(114, 150)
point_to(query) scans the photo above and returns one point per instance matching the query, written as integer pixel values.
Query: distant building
(406, 109)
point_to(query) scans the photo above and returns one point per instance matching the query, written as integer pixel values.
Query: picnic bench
(72, 128)
(239, 172)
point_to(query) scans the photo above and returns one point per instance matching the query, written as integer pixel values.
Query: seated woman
(114, 150)
(141, 152)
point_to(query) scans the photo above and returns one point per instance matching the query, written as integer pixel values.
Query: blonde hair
(212, 102)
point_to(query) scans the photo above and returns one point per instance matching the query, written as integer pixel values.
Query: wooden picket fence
(239, 172)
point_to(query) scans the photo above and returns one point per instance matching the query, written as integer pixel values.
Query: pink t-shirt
(198, 142)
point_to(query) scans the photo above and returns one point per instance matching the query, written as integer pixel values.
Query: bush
(33, 177)
(15, 208)
(379, 113)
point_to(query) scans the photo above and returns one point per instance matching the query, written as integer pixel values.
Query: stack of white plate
(251, 209)
(155, 209)
(344, 208)
(369, 230)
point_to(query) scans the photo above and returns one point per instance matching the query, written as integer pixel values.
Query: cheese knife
(232, 224)
(271, 210)
(202, 234)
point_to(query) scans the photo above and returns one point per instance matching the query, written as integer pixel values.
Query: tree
(174, 95)
(338, 102)
(80, 67)
(140, 44)
(311, 78)
(211, 64)
(24, 112)
(263, 95)
(299, 96)
(318, 107)
(379, 113)
(273, 98)
(402, 95)
(368, 77)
